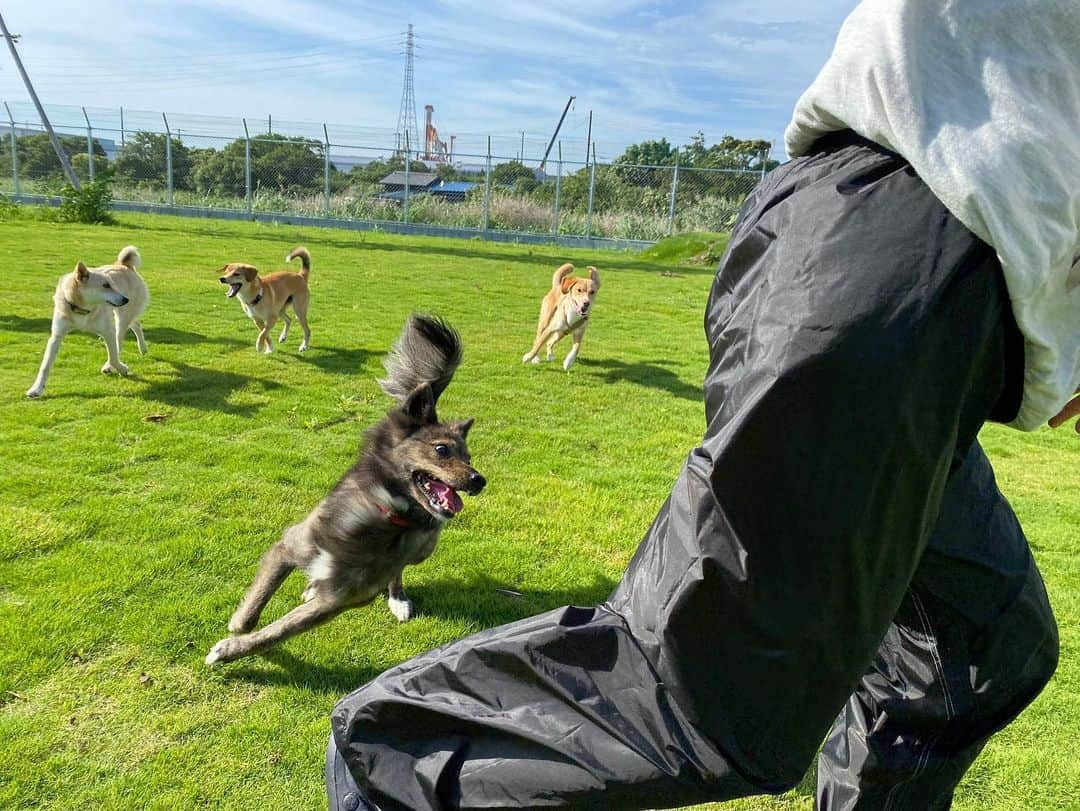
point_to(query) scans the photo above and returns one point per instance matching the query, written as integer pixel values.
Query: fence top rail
(121, 120)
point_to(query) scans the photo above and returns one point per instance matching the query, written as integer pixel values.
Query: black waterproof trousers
(836, 537)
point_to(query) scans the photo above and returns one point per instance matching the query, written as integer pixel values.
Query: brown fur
(278, 290)
(565, 309)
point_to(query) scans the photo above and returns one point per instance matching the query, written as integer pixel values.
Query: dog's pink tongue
(448, 498)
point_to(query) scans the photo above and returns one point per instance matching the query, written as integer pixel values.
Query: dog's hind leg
(284, 330)
(140, 339)
(300, 303)
(305, 616)
(277, 563)
(541, 337)
(400, 604)
(51, 348)
(571, 356)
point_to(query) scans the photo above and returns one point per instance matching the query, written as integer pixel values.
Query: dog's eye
(442, 451)
(107, 286)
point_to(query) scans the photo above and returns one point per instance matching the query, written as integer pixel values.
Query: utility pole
(72, 179)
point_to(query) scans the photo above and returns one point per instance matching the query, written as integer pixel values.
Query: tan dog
(106, 301)
(264, 298)
(565, 309)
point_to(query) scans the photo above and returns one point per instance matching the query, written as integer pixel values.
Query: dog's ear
(82, 273)
(464, 426)
(594, 274)
(420, 405)
(250, 273)
(567, 283)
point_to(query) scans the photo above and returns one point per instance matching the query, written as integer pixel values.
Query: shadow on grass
(206, 389)
(16, 323)
(652, 374)
(169, 335)
(337, 360)
(479, 600)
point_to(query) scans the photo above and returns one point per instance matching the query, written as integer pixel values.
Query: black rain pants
(835, 544)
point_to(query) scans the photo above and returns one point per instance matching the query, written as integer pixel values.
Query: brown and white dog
(565, 309)
(106, 301)
(264, 298)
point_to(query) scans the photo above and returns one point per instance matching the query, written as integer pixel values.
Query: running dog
(264, 298)
(106, 301)
(565, 309)
(385, 513)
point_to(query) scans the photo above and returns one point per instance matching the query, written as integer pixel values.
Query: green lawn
(133, 511)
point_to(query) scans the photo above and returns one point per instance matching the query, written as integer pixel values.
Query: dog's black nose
(222, 280)
(476, 483)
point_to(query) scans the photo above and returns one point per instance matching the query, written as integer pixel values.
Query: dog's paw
(35, 391)
(402, 609)
(119, 368)
(225, 651)
(525, 358)
(303, 347)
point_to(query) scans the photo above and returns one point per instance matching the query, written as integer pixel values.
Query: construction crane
(555, 134)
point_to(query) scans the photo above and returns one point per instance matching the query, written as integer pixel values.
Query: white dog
(107, 301)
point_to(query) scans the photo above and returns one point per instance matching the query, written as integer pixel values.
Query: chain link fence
(204, 164)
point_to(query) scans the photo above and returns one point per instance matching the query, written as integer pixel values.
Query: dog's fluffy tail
(304, 257)
(428, 351)
(129, 257)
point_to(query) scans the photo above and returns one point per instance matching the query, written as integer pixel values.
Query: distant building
(418, 181)
(423, 183)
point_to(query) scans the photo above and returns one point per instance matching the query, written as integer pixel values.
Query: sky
(646, 70)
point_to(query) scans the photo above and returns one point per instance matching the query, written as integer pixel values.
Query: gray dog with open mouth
(385, 513)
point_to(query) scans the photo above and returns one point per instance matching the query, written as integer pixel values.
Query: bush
(89, 205)
(9, 209)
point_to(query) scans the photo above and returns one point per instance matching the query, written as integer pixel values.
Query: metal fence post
(122, 143)
(247, 166)
(674, 191)
(168, 162)
(406, 206)
(487, 188)
(14, 150)
(592, 190)
(326, 172)
(89, 145)
(558, 191)
(764, 161)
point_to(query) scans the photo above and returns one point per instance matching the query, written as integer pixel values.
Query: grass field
(133, 511)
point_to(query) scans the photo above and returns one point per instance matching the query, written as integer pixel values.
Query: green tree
(729, 153)
(279, 162)
(507, 174)
(143, 158)
(37, 159)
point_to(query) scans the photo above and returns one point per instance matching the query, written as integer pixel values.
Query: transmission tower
(407, 130)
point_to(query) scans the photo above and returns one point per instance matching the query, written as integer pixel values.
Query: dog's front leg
(51, 348)
(571, 356)
(112, 348)
(264, 336)
(302, 618)
(400, 604)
